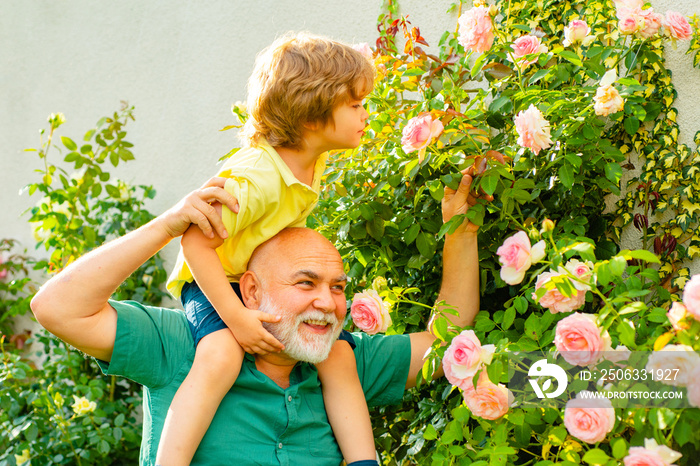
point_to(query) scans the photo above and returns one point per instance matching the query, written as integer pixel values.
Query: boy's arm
(73, 304)
(205, 265)
(460, 276)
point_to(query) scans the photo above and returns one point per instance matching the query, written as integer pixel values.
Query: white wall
(181, 64)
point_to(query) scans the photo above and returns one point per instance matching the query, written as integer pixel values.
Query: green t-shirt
(258, 422)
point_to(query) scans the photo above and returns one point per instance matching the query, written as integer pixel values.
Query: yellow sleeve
(251, 205)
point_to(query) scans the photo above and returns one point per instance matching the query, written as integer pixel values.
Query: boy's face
(347, 126)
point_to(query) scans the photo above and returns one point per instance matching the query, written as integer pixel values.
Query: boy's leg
(345, 404)
(216, 366)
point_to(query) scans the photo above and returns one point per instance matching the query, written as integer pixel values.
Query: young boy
(304, 99)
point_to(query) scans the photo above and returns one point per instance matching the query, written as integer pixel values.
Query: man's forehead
(314, 275)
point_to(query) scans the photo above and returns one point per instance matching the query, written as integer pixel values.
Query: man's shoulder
(151, 344)
(383, 362)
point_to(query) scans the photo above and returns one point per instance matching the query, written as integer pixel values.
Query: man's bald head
(268, 255)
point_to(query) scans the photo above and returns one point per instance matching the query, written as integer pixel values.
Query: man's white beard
(308, 347)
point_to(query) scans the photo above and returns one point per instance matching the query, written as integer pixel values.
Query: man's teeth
(316, 322)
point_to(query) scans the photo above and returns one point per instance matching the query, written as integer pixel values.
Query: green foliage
(381, 206)
(16, 287)
(39, 413)
(80, 209)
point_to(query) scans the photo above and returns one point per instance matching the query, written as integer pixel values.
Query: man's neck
(277, 367)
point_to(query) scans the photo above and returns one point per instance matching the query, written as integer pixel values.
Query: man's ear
(251, 290)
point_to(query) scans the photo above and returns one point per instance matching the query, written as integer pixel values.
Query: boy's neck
(300, 162)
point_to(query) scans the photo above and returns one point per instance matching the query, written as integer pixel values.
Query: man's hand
(196, 208)
(459, 201)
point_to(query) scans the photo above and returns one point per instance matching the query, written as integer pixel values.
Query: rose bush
(590, 137)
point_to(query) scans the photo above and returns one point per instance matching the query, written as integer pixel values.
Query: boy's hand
(459, 201)
(251, 334)
(196, 208)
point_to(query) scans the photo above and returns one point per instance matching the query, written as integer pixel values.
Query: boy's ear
(251, 290)
(312, 125)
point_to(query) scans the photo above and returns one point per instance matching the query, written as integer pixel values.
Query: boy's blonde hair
(299, 79)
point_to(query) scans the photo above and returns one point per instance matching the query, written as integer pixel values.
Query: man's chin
(312, 346)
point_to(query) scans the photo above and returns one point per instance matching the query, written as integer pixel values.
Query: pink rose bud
(677, 26)
(676, 315)
(476, 29)
(370, 313)
(488, 400)
(576, 31)
(691, 296)
(364, 49)
(533, 129)
(625, 7)
(580, 341)
(629, 24)
(419, 132)
(607, 100)
(464, 357)
(589, 419)
(524, 46)
(517, 256)
(651, 454)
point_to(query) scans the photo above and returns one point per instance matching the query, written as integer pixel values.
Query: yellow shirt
(270, 198)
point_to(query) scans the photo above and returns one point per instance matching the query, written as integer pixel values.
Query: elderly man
(274, 413)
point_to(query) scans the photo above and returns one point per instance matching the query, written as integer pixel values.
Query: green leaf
(643, 255)
(489, 183)
(426, 244)
(566, 175)
(430, 433)
(508, 318)
(596, 457)
(68, 142)
(571, 56)
(631, 125)
(619, 448)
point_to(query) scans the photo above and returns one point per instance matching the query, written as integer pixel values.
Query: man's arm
(460, 273)
(73, 304)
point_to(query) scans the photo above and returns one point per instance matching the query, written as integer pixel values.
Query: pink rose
(679, 360)
(576, 31)
(476, 29)
(582, 272)
(694, 387)
(364, 49)
(676, 315)
(553, 299)
(369, 313)
(651, 454)
(516, 256)
(589, 419)
(488, 401)
(677, 26)
(464, 357)
(691, 296)
(419, 131)
(580, 341)
(607, 100)
(629, 24)
(625, 7)
(651, 22)
(533, 129)
(524, 46)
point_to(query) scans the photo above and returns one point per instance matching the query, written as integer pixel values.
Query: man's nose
(323, 301)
